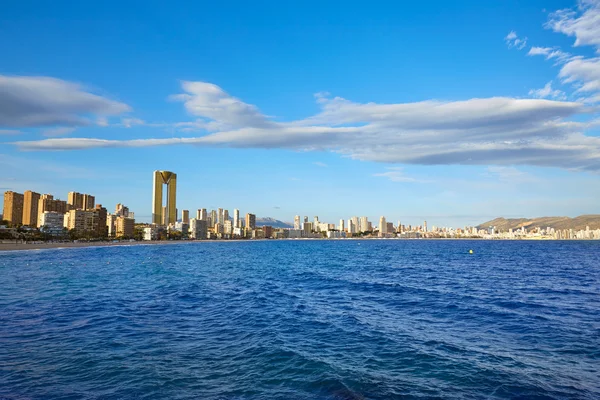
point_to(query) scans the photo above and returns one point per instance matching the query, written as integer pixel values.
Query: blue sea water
(371, 319)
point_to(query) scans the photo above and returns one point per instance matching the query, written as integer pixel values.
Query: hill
(577, 223)
(275, 223)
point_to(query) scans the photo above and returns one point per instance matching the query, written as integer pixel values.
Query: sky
(450, 112)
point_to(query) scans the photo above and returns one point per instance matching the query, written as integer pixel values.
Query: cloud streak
(33, 101)
(489, 131)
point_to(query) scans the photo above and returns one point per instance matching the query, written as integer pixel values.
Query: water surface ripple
(372, 319)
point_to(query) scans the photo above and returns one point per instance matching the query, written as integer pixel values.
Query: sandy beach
(55, 245)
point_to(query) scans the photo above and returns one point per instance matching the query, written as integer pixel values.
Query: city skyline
(457, 118)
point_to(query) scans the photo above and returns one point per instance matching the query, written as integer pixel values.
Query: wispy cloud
(488, 131)
(548, 92)
(42, 101)
(396, 174)
(513, 40)
(320, 164)
(583, 23)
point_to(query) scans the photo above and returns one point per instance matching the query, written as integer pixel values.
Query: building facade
(13, 207)
(30, 208)
(125, 227)
(168, 215)
(52, 223)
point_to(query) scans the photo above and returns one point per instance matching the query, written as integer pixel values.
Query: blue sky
(454, 113)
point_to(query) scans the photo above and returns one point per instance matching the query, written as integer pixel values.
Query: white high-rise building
(355, 221)
(316, 221)
(228, 227)
(297, 222)
(236, 218)
(382, 225)
(351, 226)
(363, 225)
(341, 227)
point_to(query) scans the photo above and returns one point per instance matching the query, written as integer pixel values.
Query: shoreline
(6, 247)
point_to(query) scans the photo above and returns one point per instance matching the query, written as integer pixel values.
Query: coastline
(6, 247)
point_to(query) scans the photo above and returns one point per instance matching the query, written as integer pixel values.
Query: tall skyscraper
(170, 179)
(382, 225)
(341, 227)
(13, 207)
(236, 218)
(297, 222)
(363, 224)
(316, 222)
(185, 216)
(220, 216)
(213, 218)
(305, 219)
(30, 208)
(201, 214)
(424, 226)
(225, 216)
(121, 210)
(250, 221)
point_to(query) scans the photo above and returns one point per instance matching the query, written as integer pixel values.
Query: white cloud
(549, 53)
(129, 122)
(582, 23)
(320, 164)
(585, 73)
(548, 92)
(60, 131)
(396, 174)
(489, 131)
(207, 100)
(27, 101)
(513, 40)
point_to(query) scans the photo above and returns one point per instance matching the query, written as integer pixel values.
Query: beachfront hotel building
(81, 201)
(168, 214)
(30, 208)
(13, 207)
(250, 221)
(51, 223)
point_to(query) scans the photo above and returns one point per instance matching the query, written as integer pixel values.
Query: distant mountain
(275, 223)
(577, 223)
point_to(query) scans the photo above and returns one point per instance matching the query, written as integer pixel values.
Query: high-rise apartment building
(82, 221)
(201, 214)
(363, 225)
(48, 203)
(213, 218)
(198, 228)
(236, 218)
(30, 208)
(382, 225)
(225, 215)
(13, 207)
(121, 210)
(228, 227)
(220, 216)
(250, 221)
(185, 216)
(390, 227)
(125, 227)
(102, 228)
(169, 216)
(81, 201)
(341, 227)
(297, 222)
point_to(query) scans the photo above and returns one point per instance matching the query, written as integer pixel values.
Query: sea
(303, 319)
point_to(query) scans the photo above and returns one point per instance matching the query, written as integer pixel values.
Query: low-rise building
(125, 227)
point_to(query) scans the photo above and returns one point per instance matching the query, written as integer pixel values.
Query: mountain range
(577, 223)
(275, 223)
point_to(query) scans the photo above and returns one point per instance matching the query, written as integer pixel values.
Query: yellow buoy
(470, 251)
